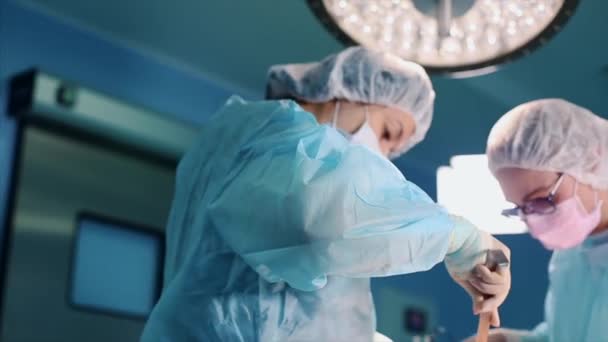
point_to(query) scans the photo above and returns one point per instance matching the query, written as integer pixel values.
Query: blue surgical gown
(576, 307)
(276, 227)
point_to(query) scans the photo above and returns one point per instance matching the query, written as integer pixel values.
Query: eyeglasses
(540, 206)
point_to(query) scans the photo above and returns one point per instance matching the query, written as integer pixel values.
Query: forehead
(517, 183)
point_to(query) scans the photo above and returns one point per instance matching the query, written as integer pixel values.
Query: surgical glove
(502, 335)
(464, 261)
(494, 285)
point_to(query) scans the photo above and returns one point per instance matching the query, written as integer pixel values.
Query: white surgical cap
(552, 135)
(360, 75)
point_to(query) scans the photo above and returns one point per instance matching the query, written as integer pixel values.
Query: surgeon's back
(210, 293)
(276, 227)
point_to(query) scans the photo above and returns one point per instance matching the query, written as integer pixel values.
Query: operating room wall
(30, 38)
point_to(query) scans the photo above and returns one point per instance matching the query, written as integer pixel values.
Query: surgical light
(456, 37)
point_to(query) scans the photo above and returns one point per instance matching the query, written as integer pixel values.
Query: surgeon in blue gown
(284, 209)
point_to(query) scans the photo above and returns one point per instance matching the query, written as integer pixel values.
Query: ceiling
(230, 41)
(233, 42)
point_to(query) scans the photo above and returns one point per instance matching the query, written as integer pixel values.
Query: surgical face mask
(566, 227)
(365, 135)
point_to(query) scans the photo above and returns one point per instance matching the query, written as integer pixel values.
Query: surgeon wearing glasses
(551, 160)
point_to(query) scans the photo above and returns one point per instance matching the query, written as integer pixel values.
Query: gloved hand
(464, 261)
(502, 335)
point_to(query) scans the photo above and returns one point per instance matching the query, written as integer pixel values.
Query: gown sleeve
(302, 208)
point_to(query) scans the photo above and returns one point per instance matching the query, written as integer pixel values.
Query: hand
(503, 335)
(487, 289)
(464, 261)
(494, 286)
(480, 302)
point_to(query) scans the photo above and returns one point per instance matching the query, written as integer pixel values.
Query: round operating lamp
(460, 38)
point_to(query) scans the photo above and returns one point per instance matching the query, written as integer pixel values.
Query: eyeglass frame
(521, 211)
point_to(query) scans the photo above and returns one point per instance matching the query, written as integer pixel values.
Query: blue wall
(32, 39)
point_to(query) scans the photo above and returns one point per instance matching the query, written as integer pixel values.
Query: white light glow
(467, 188)
(512, 24)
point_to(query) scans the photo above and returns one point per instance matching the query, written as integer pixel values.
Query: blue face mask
(365, 135)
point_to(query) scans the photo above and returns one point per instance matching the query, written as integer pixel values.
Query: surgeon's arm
(348, 213)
